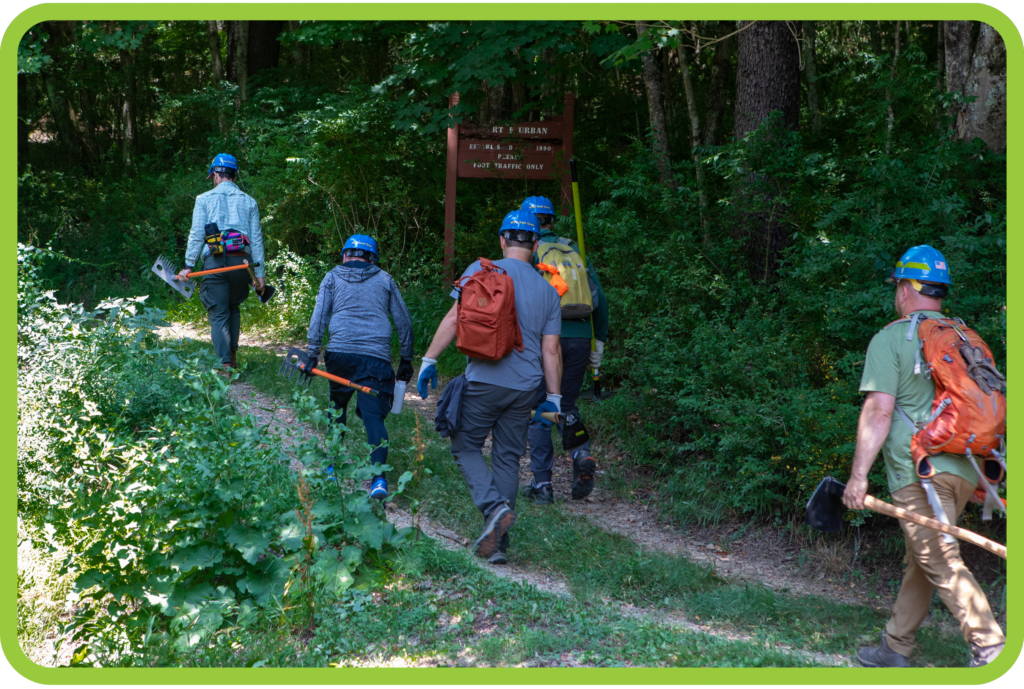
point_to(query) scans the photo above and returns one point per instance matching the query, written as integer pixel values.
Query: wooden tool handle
(338, 379)
(881, 507)
(549, 416)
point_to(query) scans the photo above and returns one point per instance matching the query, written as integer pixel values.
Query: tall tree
(56, 84)
(976, 66)
(767, 81)
(129, 118)
(721, 69)
(811, 76)
(691, 107)
(652, 79)
(767, 75)
(213, 37)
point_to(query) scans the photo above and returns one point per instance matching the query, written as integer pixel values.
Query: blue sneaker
(330, 473)
(379, 488)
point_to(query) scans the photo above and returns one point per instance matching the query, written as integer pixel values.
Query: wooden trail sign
(528, 150)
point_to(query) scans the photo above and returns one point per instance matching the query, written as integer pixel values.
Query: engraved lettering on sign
(481, 302)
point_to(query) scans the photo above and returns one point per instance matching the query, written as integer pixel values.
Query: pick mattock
(297, 361)
(825, 513)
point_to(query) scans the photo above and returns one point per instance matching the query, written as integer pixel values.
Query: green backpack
(578, 300)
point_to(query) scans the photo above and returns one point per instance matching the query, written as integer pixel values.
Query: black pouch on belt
(213, 239)
(574, 433)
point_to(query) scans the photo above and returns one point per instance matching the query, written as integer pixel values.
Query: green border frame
(8, 314)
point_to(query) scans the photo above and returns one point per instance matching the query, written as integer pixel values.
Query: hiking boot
(541, 495)
(583, 468)
(499, 557)
(983, 655)
(234, 358)
(883, 656)
(499, 521)
(379, 488)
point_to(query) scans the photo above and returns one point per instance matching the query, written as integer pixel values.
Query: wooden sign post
(529, 150)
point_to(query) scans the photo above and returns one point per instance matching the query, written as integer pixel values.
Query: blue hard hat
(921, 263)
(362, 242)
(221, 162)
(520, 220)
(538, 204)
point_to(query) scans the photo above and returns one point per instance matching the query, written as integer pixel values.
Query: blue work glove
(428, 377)
(553, 403)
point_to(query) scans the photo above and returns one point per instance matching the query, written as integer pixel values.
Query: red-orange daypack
(969, 410)
(487, 326)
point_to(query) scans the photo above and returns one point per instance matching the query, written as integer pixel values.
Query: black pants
(222, 294)
(575, 360)
(370, 372)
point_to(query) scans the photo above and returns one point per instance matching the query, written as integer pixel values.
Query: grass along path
(606, 569)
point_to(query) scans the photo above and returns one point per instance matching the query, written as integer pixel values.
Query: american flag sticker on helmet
(940, 265)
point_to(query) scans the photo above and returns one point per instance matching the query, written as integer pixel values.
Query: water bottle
(399, 396)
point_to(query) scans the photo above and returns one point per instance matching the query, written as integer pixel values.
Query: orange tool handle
(338, 379)
(980, 495)
(220, 270)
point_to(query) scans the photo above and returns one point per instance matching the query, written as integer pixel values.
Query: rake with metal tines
(297, 361)
(168, 272)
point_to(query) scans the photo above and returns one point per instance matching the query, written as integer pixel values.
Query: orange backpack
(969, 410)
(487, 326)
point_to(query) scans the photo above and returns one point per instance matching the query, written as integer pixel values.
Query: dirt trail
(763, 556)
(281, 421)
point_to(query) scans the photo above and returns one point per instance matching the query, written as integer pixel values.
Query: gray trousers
(575, 360)
(505, 413)
(222, 295)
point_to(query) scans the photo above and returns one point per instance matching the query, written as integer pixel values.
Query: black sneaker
(499, 557)
(499, 521)
(583, 468)
(541, 495)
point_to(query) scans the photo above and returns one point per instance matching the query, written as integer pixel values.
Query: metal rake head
(166, 271)
(294, 361)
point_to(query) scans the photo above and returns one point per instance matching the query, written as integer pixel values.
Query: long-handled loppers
(825, 513)
(297, 361)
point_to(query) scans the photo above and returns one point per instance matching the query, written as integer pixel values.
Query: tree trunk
(811, 75)
(767, 76)
(130, 137)
(691, 106)
(767, 80)
(940, 57)
(977, 68)
(875, 32)
(264, 48)
(242, 58)
(214, 38)
(55, 83)
(721, 67)
(652, 79)
(298, 50)
(888, 94)
(213, 35)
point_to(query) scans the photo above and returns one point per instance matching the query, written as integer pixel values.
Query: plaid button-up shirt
(231, 209)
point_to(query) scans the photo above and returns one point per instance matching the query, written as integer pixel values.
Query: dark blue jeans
(370, 372)
(575, 360)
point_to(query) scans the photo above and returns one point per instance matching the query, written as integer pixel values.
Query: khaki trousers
(933, 564)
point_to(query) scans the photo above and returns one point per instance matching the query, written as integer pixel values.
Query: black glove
(404, 370)
(314, 359)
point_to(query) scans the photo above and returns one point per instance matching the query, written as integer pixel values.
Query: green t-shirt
(889, 368)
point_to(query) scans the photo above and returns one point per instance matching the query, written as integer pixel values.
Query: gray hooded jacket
(354, 300)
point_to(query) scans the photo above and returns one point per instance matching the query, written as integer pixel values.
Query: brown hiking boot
(883, 656)
(499, 521)
(234, 358)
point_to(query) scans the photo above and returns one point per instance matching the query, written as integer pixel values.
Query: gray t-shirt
(540, 313)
